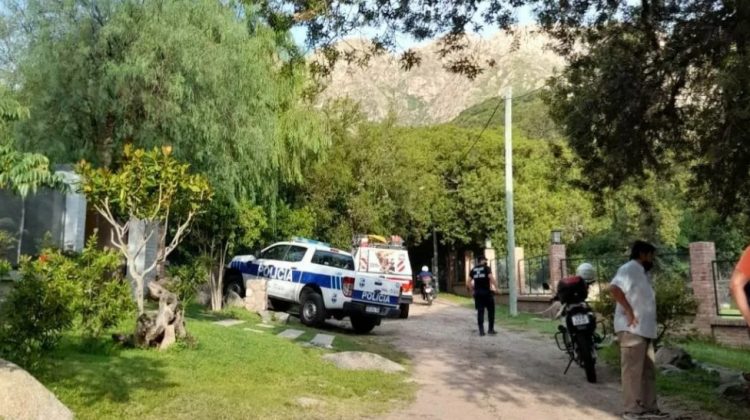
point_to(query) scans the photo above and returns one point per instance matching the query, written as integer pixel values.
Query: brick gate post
(556, 256)
(702, 256)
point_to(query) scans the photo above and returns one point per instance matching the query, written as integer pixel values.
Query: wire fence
(722, 274)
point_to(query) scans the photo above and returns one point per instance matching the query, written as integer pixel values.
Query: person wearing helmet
(586, 272)
(425, 277)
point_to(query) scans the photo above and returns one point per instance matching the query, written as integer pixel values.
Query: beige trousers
(638, 372)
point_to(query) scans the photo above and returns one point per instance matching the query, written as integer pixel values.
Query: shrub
(105, 296)
(187, 278)
(35, 314)
(675, 304)
(58, 291)
(5, 268)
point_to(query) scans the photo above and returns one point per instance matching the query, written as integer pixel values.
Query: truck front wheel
(312, 311)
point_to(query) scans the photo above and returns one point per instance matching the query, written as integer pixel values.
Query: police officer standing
(482, 287)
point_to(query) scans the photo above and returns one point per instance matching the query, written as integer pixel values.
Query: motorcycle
(576, 335)
(428, 291)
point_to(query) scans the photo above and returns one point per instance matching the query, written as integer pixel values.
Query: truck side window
(274, 253)
(331, 259)
(295, 253)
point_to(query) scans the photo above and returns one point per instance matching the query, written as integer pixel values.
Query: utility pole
(435, 260)
(511, 263)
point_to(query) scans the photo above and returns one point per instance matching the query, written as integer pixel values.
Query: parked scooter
(577, 334)
(428, 290)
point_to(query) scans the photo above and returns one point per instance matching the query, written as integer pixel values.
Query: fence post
(702, 256)
(520, 271)
(556, 256)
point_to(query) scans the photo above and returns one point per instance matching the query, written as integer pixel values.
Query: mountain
(429, 94)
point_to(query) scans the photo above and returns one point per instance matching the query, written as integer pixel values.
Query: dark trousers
(484, 301)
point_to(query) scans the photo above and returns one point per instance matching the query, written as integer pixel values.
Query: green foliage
(5, 268)
(35, 314)
(206, 77)
(380, 178)
(675, 304)
(151, 186)
(24, 173)
(105, 297)
(185, 279)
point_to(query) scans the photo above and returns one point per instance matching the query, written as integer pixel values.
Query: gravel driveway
(514, 375)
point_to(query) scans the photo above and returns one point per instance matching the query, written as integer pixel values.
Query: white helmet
(425, 268)
(586, 271)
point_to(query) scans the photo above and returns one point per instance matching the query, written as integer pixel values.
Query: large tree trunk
(162, 328)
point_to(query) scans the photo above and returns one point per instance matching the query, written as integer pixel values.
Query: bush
(5, 268)
(187, 278)
(58, 291)
(35, 314)
(105, 296)
(675, 304)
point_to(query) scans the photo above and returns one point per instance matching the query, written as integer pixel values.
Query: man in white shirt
(635, 326)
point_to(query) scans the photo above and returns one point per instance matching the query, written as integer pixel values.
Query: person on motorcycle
(425, 278)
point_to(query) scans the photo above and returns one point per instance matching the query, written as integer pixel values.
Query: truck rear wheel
(312, 311)
(404, 311)
(363, 324)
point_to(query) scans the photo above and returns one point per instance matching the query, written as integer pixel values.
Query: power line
(489, 120)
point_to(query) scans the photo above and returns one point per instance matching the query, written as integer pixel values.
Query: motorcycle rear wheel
(585, 353)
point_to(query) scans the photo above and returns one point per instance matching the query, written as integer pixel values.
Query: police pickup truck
(321, 280)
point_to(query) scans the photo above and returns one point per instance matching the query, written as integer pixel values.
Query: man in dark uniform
(482, 287)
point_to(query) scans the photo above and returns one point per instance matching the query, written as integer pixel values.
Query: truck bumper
(359, 308)
(406, 299)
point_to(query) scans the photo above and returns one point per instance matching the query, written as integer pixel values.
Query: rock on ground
(22, 397)
(674, 356)
(234, 300)
(360, 360)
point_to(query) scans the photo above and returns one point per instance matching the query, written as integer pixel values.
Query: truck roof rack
(377, 241)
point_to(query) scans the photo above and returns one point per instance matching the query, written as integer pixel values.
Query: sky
(524, 16)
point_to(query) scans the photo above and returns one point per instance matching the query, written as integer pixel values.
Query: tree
(153, 188)
(21, 173)
(224, 228)
(209, 78)
(379, 178)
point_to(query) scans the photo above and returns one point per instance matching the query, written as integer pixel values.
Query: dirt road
(514, 375)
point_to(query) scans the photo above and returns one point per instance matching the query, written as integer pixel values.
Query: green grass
(521, 322)
(232, 373)
(696, 388)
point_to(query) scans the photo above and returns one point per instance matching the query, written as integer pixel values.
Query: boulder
(668, 370)
(281, 317)
(674, 356)
(738, 392)
(23, 398)
(203, 297)
(233, 300)
(360, 360)
(256, 298)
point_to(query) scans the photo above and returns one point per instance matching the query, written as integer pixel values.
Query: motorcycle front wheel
(586, 356)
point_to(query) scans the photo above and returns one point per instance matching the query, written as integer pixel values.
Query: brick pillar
(556, 256)
(468, 264)
(520, 271)
(702, 256)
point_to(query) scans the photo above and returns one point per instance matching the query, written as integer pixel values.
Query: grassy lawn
(521, 322)
(696, 387)
(232, 373)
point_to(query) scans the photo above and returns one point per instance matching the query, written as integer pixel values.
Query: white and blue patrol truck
(318, 278)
